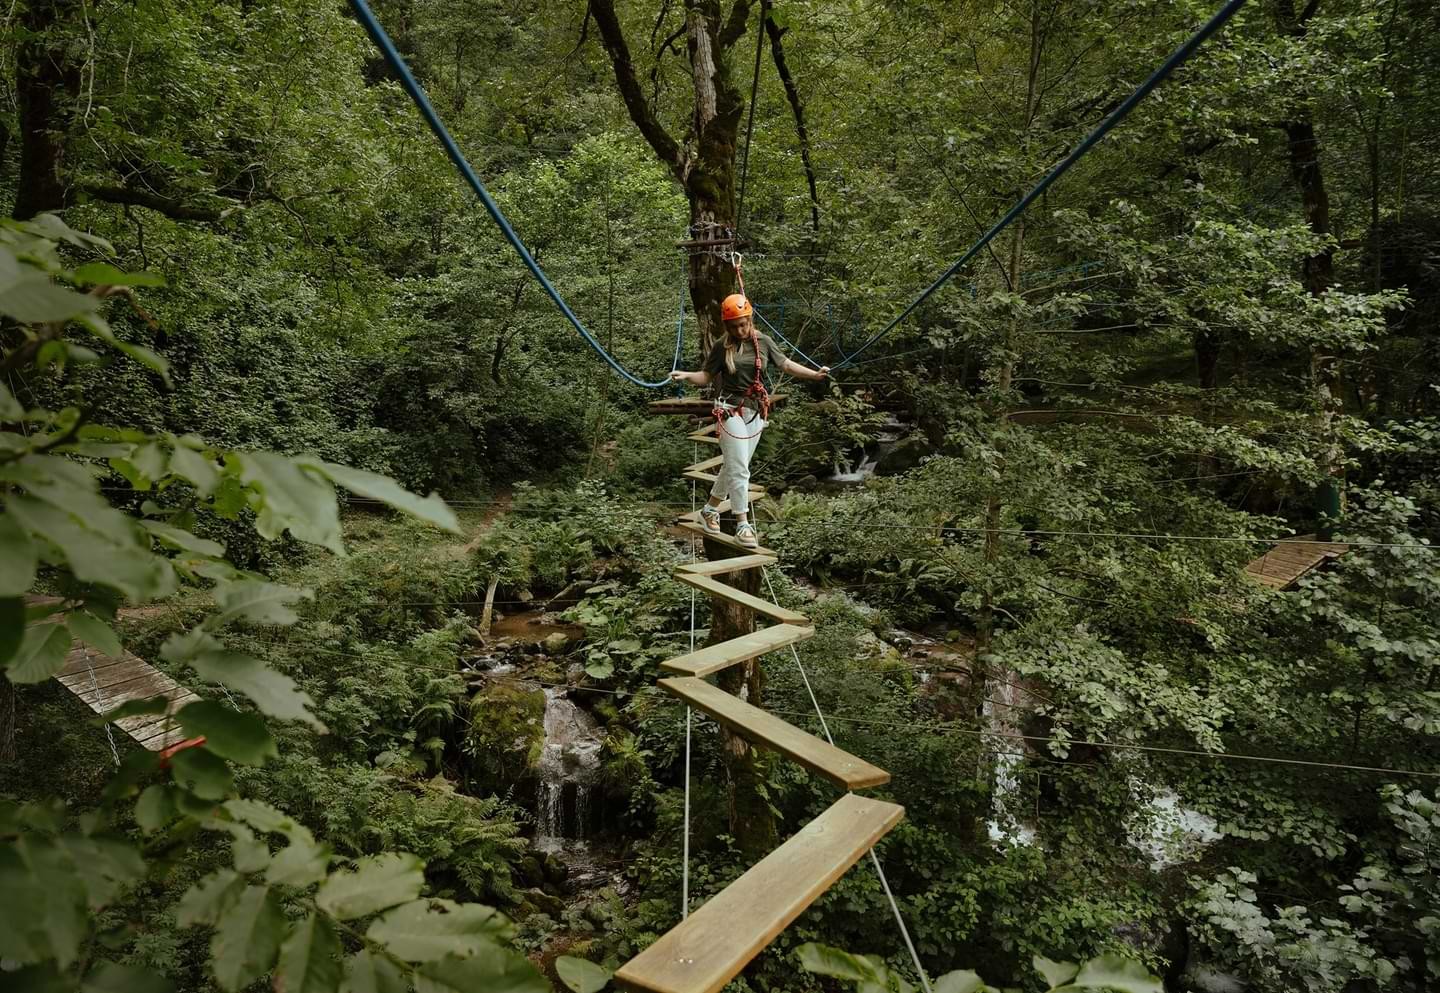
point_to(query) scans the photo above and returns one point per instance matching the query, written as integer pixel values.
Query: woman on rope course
(738, 363)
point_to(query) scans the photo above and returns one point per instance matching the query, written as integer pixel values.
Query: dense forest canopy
(240, 272)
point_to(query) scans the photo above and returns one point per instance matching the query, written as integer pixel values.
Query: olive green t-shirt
(733, 386)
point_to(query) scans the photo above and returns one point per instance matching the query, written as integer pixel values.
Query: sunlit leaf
(431, 509)
(41, 654)
(247, 938)
(377, 883)
(581, 975)
(425, 930)
(309, 957)
(494, 970)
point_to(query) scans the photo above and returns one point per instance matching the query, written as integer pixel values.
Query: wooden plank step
(755, 603)
(756, 493)
(713, 658)
(767, 730)
(724, 539)
(701, 477)
(710, 947)
(711, 430)
(722, 567)
(707, 465)
(704, 439)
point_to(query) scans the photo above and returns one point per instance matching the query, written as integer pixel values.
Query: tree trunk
(47, 80)
(752, 823)
(7, 721)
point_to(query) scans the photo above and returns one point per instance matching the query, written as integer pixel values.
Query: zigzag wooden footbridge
(712, 945)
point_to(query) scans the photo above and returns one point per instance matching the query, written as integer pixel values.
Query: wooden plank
(713, 658)
(1288, 561)
(755, 603)
(704, 439)
(701, 477)
(710, 947)
(723, 539)
(110, 675)
(767, 730)
(722, 567)
(75, 662)
(152, 683)
(711, 430)
(756, 493)
(707, 465)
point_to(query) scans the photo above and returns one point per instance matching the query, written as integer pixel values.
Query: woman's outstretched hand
(679, 376)
(824, 372)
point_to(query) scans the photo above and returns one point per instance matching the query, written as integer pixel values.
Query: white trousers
(739, 438)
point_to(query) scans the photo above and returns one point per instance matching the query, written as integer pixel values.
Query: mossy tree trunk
(704, 166)
(752, 823)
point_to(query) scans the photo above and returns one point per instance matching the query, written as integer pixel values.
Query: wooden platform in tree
(723, 567)
(708, 949)
(698, 406)
(1282, 566)
(769, 731)
(713, 658)
(713, 586)
(117, 680)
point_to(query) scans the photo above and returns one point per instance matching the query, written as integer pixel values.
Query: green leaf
(202, 773)
(426, 930)
(41, 654)
(156, 807)
(309, 958)
(827, 961)
(300, 864)
(105, 274)
(378, 882)
(247, 938)
(601, 669)
(274, 693)
(581, 975)
(208, 899)
(39, 979)
(44, 913)
(195, 467)
(10, 408)
(257, 601)
(228, 733)
(105, 549)
(107, 977)
(377, 487)
(1116, 973)
(366, 972)
(1055, 973)
(12, 627)
(135, 708)
(94, 632)
(37, 300)
(962, 981)
(292, 495)
(496, 970)
(18, 558)
(183, 540)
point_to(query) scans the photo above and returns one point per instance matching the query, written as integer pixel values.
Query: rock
(905, 456)
(505, 734)
(538, 901)
(556, 644)
(531, 871)
(555, 870)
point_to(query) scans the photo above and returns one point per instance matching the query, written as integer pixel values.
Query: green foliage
(870, 974)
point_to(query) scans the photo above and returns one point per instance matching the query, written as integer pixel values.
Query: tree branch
(175, 209)
(734, 28)
(613, 38)
(777, 51)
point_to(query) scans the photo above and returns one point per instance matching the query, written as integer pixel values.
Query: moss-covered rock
(506, 734)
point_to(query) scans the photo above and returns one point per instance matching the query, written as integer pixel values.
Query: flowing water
(569, 769)
(862, 464)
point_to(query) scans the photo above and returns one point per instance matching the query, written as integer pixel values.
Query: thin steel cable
(685, 869)
(874, 859)
(95, 688)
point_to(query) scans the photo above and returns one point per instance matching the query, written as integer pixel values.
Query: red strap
(175, 749)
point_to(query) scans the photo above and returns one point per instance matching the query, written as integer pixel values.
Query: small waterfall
(888, 434)
(569, 766)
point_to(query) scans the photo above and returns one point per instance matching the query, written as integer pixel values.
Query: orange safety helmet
(735, 305)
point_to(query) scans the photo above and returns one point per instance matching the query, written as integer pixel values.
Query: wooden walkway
(710, 947)
(1282, 566)
(104, 682)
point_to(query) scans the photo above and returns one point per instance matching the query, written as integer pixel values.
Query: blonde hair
(732, 342)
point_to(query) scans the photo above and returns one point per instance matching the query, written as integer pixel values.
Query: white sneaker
(745, 534)
(710, 520)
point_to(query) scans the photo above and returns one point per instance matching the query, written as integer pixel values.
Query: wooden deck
(1282, 566)
(104, 682)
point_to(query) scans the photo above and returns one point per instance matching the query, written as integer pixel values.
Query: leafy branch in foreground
(869, 974)
(287, 911)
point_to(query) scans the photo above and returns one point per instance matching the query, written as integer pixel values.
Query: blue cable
(422, 102)
(773, 330)
(1176, 59)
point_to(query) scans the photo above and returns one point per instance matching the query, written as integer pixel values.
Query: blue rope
(422, 103)
(1176, 59)
(775, 331)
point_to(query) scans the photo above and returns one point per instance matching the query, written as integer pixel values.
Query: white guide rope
(874, 859)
